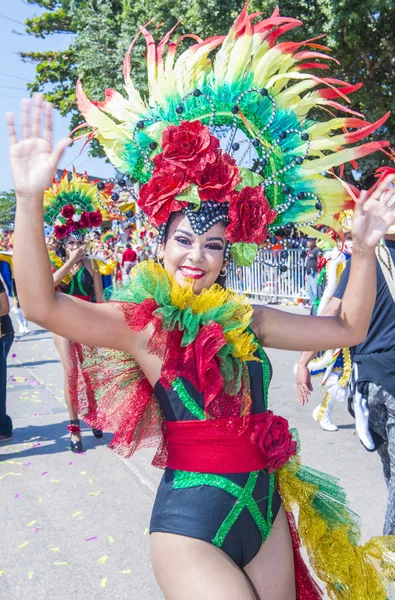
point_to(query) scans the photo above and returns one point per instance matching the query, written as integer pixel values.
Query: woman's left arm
(97, 283)
(277, 329)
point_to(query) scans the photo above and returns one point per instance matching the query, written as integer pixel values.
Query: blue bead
(255, 142)
(235, 109)
(140, 124)
(299, 160)
(179, 109)
(301, 195)
(318, 205)
(286, 189)
(235, 146)
(305, 137)
(197, 93)
(263, 92)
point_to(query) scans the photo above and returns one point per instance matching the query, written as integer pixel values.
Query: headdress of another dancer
(74, 206)
(232, 139)
(108, 237)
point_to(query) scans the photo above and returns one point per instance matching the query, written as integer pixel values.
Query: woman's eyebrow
(184, 232)
(219, 239)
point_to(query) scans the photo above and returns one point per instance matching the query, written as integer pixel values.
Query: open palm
(374, 214)
(33, 159)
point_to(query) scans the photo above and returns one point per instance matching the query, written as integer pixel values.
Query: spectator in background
(129, 258)
(311, 269)
(6, 339)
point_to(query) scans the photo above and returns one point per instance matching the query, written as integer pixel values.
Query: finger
(47, 132)
(25, 105)
(36, 117)
(11, 128)
(384, 185)
(59, 149)
(387, 197)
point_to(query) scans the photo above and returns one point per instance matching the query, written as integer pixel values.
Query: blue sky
(14, 76)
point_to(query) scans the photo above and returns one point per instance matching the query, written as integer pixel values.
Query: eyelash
(185, 242)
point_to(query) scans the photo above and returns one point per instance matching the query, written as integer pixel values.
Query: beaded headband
(235, 131)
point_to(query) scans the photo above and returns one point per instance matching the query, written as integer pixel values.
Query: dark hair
(128, 245)
(60, 250)
(221, 279)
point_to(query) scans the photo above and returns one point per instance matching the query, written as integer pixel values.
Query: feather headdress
(241, 129)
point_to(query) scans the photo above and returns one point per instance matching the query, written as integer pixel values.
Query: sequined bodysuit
(233, 511)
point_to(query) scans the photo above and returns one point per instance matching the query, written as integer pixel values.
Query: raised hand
(374, 214)
(33, 159)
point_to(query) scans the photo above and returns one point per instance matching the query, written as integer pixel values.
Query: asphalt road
(76, 526)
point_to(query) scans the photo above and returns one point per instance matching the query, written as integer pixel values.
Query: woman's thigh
(271, 572)
(185, 567)
(62, 345)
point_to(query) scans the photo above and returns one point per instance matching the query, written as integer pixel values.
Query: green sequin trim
(272, 485)
(185, 479)
(265, 372)
(79, 282)
(187, 399)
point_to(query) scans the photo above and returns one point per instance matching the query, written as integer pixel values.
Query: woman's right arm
(34, 163)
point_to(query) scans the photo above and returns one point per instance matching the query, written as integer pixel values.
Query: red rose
(71, 226)
(61, 231)
(95, 218)
(189, 146)
(274, 439)
(68, 211)
(219, 179)
(84, 221)
(157, 197)
(249, 216)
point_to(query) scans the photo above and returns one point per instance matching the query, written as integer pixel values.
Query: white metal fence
(269, 283)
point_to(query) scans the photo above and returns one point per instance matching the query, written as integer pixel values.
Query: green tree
(7, 209)
(359, 33)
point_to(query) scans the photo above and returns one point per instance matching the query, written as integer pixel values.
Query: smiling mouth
(192, 273)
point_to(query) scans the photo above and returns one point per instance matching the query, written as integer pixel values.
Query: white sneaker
(21, 329)
(327, 425)
(26, 329)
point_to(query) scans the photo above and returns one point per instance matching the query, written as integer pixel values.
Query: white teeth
(192, 272)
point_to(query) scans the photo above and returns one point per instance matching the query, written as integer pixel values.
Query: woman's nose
(196, 254)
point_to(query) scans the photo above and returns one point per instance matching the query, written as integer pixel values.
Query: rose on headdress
(249, 216)
(157, 197)
(95, 218)
(275, 441)
(84, 221)
(189, 146)
(61, 231)
(218, 179)
(68, 211)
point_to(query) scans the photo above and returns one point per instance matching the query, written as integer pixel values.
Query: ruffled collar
(179, 307)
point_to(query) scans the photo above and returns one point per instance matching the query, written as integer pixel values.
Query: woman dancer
(187, 366)
(72, 208)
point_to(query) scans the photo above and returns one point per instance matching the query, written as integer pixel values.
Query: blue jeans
(5, 420)
(312, 287)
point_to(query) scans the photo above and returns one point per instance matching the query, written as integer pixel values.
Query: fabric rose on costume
(208, 342)
(189, 146)
(274, 439)
(68, 211)
(95, 218)
(219, 179)
(249, 216)
(61, 231)
(157, 197)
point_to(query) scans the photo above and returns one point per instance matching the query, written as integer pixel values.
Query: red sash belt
(214, 446)
(86, 298)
